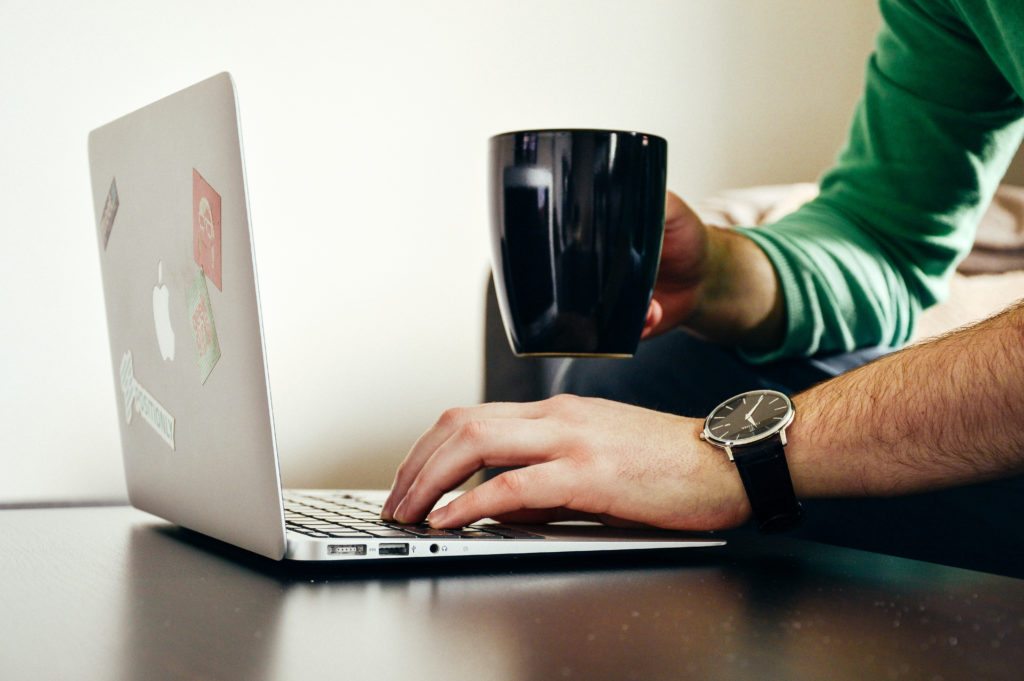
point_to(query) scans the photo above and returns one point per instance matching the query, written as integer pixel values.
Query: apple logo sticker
(162, 314)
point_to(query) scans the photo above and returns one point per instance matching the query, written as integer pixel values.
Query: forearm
(944, 413)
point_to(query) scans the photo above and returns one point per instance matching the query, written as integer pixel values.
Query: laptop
(189, 361)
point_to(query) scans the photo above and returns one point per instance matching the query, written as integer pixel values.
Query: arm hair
(946, 412)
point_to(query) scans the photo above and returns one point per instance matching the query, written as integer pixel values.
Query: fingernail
(398, 515)
(385, 511)
(437, 517)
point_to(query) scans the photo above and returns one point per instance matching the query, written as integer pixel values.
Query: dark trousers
(977, 526)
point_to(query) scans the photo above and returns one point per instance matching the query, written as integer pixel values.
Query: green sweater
(940, 119)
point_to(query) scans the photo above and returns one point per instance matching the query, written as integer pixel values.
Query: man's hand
(604, 460)
(579, 457)
(684, 268)
(715, 283)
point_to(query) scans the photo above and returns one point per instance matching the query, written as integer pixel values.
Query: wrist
(739, 300)
(723, 484)
(750, 428)
(712, 288)
(801, 469)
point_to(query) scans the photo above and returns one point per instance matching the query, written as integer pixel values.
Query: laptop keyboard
(346, 516)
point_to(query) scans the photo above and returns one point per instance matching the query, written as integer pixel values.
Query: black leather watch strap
(765, 475)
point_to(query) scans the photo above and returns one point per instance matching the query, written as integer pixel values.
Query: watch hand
(759, 400)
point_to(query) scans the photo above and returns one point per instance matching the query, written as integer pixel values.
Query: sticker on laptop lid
(128, 385)
(206, 228)
(204, 330)
(109, 213)
(138, 399)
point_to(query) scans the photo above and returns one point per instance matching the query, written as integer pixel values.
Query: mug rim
(607, 131)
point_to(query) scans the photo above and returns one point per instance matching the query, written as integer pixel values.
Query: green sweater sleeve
(932, 136)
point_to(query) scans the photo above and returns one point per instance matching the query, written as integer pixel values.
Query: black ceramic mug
(577, 219)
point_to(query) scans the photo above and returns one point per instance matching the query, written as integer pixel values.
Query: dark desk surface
(112, 593)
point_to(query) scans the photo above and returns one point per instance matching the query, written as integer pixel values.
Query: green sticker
(204, 330)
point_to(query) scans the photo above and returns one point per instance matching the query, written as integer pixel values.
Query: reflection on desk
(187, 607)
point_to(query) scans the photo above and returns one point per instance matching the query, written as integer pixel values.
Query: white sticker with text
(137, 399)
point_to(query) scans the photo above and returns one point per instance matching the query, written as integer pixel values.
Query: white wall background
(365, 126)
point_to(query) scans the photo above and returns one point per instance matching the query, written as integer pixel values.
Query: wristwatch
(751, 428)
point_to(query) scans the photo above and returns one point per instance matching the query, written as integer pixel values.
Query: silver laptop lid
(186, 340)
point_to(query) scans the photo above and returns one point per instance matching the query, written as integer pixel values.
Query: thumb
(655, 313)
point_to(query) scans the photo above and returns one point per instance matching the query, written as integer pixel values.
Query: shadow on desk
(764, 607)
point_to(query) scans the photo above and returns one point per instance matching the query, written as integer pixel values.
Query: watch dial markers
(748, 415)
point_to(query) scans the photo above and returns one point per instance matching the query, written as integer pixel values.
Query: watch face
(749, 417)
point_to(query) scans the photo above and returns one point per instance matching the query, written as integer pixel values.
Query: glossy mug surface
(577, 219)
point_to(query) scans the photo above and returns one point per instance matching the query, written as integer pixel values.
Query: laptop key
(385, 532)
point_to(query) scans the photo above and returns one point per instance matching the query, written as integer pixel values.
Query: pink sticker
(206, 228)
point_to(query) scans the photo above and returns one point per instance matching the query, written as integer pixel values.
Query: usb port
(394, 549)
(347, 549)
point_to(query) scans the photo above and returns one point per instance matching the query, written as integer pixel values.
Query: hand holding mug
(683, 270)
